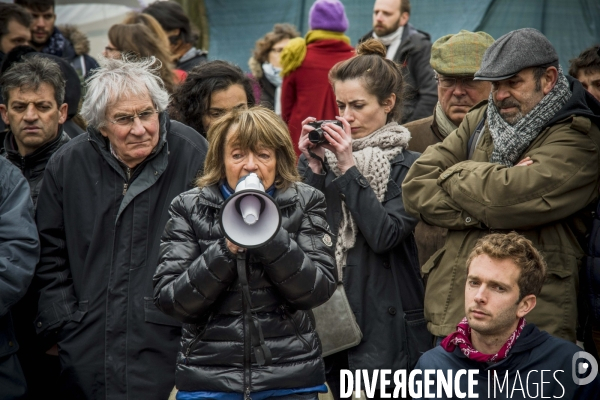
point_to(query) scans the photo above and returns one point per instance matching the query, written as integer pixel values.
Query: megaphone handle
(261, 351)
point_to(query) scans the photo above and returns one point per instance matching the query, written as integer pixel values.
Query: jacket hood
(80, 42)
(255, 68)
(581, 103)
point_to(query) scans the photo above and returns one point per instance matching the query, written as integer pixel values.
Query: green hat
(459, 54)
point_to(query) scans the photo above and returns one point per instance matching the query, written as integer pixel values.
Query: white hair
(118, 78)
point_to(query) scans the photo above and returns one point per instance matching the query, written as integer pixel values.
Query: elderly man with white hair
(101, 210)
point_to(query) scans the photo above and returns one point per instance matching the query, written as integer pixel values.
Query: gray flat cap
(515, 51)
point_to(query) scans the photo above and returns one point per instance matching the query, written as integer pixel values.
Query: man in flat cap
(525, 161)
(454, 58)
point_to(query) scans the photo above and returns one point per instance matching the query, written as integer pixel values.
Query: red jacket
(306, 91)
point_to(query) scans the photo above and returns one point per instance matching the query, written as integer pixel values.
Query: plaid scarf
(462, 339)
(511, 140)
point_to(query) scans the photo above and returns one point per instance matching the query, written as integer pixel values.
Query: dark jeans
(333, 364)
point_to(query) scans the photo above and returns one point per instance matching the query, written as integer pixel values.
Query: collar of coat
(211, 196)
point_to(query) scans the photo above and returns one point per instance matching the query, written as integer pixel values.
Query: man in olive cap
(454, 58)
(527, 161)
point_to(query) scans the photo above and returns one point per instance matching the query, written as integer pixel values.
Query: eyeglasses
(126, 120)
(466, 82)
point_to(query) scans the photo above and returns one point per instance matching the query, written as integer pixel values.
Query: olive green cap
(460, 53)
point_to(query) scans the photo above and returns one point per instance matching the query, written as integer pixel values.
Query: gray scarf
(372, 155)
(511, 140)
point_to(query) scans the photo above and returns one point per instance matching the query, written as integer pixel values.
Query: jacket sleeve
(424, 78)
(309, 177)
(57, 302)
(384, 225)
(288, 97)
(423, 197)
(562, 180)
(187, 281)
(19, 244)
(303, 270)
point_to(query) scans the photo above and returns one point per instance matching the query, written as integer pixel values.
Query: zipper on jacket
(196, 339)
(247, 345)
(285, 314)
(126, 184)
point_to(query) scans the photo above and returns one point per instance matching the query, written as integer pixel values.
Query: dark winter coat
(534, 351)
(306, 91)
(192, 58)
(100, 235)
(381, 276)
(413, 55)
(32, 165)
(76, 50)
(19, 247)
(197, 283)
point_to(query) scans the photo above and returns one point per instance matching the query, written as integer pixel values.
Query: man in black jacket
(411, 49)
(33, 106)
(101, 211)
(513, 359)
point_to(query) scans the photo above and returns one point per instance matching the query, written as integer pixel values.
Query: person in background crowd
(198, 280)
(586, 69)
(157, 30)
(455, 58)
(182, 37)
(525, 161)
(34, 110)
(67, 42)
(14, 28)
(360, 169)
(19, 246)
(266, 67)
(137, 41)
(74, 125)
(306, 62)
(409, 47)
(504, 275)
(100, 213)
(211, 90)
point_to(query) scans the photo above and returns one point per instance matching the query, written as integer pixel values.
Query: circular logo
(327, 240)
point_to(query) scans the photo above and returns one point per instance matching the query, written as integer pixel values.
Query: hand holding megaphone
(234, 248)
(249, 217)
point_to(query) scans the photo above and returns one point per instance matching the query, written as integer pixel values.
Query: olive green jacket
(472, 198)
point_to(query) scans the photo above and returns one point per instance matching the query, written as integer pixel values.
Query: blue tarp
(571, 25)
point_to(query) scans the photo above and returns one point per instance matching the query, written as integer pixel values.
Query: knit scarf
(55, 44)
(445, 125)
(511, 140)
(294, 51)
(372, 155)
(391, 41)
(273, 75)
(462, 339)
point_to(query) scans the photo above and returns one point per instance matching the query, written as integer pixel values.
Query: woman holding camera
(360, 168)
(247, 334)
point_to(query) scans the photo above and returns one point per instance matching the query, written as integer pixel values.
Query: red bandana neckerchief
(462, 339)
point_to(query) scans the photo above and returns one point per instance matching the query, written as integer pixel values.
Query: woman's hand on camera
(234, 248)
(304, 144)
(340, 143)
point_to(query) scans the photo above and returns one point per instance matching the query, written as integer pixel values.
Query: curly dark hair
(192, 98)
(264, 44)
(588, 60)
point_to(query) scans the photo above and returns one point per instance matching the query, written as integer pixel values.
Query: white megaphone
(250, 217)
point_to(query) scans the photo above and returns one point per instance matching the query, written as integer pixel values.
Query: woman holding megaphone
(242, 258)
(359, 165)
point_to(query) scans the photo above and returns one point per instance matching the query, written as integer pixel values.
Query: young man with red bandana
(514, 359)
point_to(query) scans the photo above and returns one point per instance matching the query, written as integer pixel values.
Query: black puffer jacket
(33, 165)
(197, 283)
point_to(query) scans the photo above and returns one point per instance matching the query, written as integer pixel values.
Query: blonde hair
(252, 129)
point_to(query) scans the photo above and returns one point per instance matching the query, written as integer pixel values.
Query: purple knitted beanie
(328, 15)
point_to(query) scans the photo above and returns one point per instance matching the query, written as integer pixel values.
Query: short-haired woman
(197, 280)
(265, 64)
(360, 169)
(211, 90)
